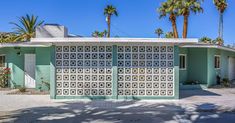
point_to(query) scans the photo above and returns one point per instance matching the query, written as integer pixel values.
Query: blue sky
(137, 18)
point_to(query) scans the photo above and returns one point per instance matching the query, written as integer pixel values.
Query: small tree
(219, 41)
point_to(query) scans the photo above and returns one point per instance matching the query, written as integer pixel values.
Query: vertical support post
(176, 71)
(52, 73)
(114, 72)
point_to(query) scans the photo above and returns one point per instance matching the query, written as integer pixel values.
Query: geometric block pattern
(83, 70)
(146, 70)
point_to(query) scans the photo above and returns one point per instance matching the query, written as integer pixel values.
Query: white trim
(115, 40)
(200, 45)
(185, 55)
(219, 61)
(25, 44)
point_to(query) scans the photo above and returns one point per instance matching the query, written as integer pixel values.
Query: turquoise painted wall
(16, 63)
(183, 74)
(200, 65)
(43, 58)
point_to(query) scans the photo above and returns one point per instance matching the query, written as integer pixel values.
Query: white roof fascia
(25, 44)
(114, 40)
(208, 46)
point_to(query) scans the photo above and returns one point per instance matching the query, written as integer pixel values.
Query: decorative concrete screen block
(145, 70)
(83, 70)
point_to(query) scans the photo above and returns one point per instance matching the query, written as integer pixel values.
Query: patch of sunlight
(129, 106)
(210, 116)
(98, 113)
(57, 116)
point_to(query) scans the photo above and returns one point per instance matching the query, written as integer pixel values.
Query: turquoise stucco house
(113, 68)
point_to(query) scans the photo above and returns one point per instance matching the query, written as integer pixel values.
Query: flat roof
(115, 40)
(204, 45)
(25, 44)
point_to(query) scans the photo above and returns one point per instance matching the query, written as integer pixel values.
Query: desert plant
(4, 77)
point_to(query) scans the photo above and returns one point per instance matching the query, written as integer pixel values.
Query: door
(231, 68)
(29, 68)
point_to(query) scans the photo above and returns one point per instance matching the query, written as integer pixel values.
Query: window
(2, 60)
(182, 61)
(217, 61)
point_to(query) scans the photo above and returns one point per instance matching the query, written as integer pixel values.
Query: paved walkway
(211, 105)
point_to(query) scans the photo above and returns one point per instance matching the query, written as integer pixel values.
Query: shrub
(4, 77)
(225, 82)
(22, 89)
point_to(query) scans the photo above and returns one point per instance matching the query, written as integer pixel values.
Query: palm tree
(105, 33)
(159, 32)
(169, 35)
(108, 12)
(170, 7)
(27, 26)
(187, 6)
(221, 6)
(206, 40)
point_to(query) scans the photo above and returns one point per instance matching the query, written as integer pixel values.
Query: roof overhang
(115, 40)
(25, 44)
(203, 45)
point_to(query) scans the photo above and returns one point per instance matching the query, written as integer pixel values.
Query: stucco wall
(16, 63)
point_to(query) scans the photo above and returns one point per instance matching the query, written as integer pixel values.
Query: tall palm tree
(170, 8)
(27, 26)
(159, 32)
(221, 6)
(185, 8)
(109, 11)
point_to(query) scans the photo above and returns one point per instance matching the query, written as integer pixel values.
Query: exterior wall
(16, 64)
(196, 65)
(183, 73)
(200, 65)
(43, 58)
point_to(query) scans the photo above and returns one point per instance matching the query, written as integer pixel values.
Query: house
(113, 68)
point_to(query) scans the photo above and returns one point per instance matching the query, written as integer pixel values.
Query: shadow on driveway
(117, 112)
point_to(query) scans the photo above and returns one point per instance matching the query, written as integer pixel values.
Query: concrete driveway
(212, 105)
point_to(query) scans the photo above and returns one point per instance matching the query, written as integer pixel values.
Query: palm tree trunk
(220, 24)
(174, 26)
(109, 22)
(158, 35)
(185, 28)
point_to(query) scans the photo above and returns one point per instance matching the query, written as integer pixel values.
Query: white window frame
(219, 62)
(185, 63)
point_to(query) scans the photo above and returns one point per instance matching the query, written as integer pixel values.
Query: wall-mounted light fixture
(18, 51)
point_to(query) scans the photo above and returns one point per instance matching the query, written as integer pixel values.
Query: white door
(29, 68)
(231, 68)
